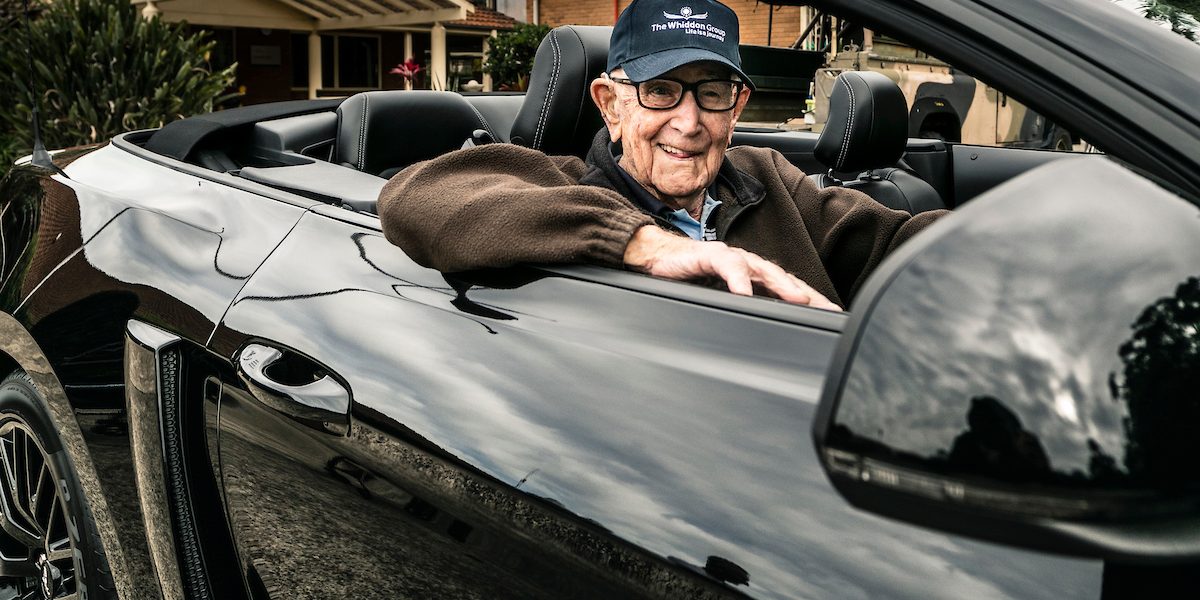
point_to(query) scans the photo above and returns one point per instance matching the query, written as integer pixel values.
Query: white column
(805, 17)
(314, 64)
(408, 83)
(487, 46)
(151, 10)
(437, 57)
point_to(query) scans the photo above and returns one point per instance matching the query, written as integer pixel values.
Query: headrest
(558, 115)
(382, 132)
(867, 126)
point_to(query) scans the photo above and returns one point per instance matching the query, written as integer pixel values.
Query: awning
(309, 15)
(369, 14)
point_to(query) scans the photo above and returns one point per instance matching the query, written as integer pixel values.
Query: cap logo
(689, 23)
(685, 13)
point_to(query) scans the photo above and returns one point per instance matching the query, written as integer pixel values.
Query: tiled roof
(485, 18)
(374, 7)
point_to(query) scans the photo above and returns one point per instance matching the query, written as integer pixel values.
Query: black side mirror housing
(1027, 371)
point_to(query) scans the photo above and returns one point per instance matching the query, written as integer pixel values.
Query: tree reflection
(1160, 384)
(1182, 16)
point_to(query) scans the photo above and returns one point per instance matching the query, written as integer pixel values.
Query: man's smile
(679, 153)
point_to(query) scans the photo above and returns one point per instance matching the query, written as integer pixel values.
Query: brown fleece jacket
(499, 204)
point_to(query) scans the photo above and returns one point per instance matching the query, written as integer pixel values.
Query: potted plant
(409, 69)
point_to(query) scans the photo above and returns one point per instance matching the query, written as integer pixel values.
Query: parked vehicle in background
(944, 102)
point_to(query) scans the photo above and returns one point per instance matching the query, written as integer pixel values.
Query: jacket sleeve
(498, 205)
(853, 233)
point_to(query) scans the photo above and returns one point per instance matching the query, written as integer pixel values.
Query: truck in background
(943, 102)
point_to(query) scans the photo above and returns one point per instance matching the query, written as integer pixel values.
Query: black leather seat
(499, 110)
(558, 115)
(866, 133)
(382, 132)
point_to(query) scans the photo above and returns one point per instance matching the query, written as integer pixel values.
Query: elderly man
(672, 203)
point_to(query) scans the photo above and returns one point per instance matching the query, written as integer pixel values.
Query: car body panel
(139, 240)
(573, 401)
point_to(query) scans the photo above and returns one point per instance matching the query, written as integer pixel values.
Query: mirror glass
(1049, 338)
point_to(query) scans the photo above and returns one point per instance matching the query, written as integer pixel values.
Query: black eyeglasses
(716, 95)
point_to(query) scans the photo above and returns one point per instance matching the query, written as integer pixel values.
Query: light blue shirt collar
(697, 230)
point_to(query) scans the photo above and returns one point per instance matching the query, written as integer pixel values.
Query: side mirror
(1027, 371)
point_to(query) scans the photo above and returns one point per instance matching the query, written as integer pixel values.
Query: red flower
(407, 69)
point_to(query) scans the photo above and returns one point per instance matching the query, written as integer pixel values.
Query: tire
(41, 554)
(1061, 141)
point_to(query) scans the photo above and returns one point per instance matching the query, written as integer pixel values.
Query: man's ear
(608, 102)
(743, 98)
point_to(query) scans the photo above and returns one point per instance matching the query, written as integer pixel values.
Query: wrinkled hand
(654, 251)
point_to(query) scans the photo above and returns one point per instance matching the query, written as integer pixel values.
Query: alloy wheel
(38, 555)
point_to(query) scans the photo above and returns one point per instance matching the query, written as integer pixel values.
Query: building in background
(293, 49)
(761, 24)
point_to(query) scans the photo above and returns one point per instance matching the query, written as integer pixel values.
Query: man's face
(674, 153)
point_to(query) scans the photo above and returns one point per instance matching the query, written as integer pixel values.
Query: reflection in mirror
(1180, 16)
(1039, 356)
(1155, 392)
(1160, 384)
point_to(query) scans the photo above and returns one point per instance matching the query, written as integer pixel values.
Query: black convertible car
(225, 383)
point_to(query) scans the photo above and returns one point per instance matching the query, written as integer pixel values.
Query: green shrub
(101, 69)
(510, 55)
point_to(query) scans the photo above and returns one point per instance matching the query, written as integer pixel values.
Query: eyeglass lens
(665, 93)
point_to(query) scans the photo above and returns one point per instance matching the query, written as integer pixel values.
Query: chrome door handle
(323, 404)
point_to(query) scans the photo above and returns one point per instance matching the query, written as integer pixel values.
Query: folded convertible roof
(179, 138)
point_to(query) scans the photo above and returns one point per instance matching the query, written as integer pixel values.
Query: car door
(569, 432)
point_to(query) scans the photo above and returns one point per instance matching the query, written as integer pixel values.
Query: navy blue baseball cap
(652, 37)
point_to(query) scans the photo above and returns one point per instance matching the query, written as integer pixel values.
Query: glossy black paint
(593, 422)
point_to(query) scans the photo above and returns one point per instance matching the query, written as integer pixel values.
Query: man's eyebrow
(706, 74)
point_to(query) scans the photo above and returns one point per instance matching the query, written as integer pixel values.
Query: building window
(348, 61)
(357, 61)
(465, 68)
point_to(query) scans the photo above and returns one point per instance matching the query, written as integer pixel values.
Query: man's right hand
(657, 252)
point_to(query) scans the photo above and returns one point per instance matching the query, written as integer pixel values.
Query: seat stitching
(849, 125)
(900, 189)
(362, 134)
(537, 137)
(482, 121)
(545, 112)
